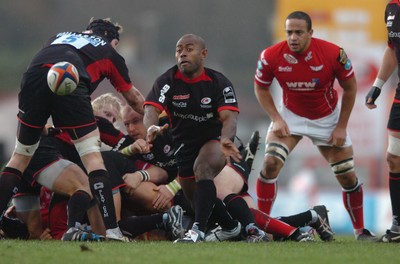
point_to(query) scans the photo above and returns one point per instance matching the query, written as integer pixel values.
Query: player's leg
(276, 152)
(393, 160)
(342, 165)
(229, 183)
(66, 178)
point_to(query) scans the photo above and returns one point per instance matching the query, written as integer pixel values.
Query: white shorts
(318, 130)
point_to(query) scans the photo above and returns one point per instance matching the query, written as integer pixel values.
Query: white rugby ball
(63, 78)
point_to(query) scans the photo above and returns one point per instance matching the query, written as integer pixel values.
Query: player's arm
(228, 132)
(265, 99)
(348, 99)
(338, 137)
(150, 121)
(135, 99)
(388, 65)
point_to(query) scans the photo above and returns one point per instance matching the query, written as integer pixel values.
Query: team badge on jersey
(229, 95)
(343, 59)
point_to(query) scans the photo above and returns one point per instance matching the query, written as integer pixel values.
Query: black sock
(394, 188)
(239, 209)
(9, 183)
(298, 220)
(77, 207)
(137, 225)
(221, 216)
(101, 189)
(204, 198)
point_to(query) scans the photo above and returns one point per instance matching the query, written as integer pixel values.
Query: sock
(272, 225)
(78, 204)
(9, 183)
(266, 194)
(204, 199)
(353, 202)
(101, 189)
(239, 209)
(299, 220)
(394, 188)
(137, 225)
(221, 216)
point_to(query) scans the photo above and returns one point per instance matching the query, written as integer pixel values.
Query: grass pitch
(343, 250)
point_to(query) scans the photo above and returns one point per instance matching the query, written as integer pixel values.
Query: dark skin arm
(228, 131)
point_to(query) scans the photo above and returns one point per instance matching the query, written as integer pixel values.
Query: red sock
(266, 194)
(272, 225)
(353, 202)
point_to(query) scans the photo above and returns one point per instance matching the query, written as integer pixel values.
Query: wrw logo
(301, 85)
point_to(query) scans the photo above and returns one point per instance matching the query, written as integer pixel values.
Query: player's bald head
(192, 38)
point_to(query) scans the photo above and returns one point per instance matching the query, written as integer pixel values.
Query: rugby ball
(63, 78)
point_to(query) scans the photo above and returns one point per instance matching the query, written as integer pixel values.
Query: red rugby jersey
(306, 79)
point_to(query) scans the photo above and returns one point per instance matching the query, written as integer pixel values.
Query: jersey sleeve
(226, 98)
(157, 95)
(264, 74)
(119, 74)
(111, 136)
(342, 67)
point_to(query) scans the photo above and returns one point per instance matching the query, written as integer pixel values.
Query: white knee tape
(278, 150)
(88, 145)
(394, 145)
(343, 166)
(25, 149)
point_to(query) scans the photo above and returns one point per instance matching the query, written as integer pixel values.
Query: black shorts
(187, 155)
(185, 158)
(243, 170)
(394, 117)
(37, 103)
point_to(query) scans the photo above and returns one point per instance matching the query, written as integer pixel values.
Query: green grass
(343, 250)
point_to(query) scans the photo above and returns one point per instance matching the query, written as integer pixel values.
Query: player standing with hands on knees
(306, 68)
(202, 106)
(390, 62)
(93, 53)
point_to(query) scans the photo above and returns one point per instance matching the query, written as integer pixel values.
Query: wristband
(379, 83)
(173, 187)
(145, 175)
(127, 151)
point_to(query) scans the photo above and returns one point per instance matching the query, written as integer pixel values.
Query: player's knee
(343, 167)
(88, 145)
(276, 154)
(393, 146)
(393, 162)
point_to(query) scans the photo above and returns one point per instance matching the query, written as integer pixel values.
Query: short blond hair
(107, 99)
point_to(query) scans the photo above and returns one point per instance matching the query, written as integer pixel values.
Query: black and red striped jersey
(193, 105)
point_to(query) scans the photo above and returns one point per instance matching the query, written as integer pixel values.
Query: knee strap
(343, 167)
(277, 150)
